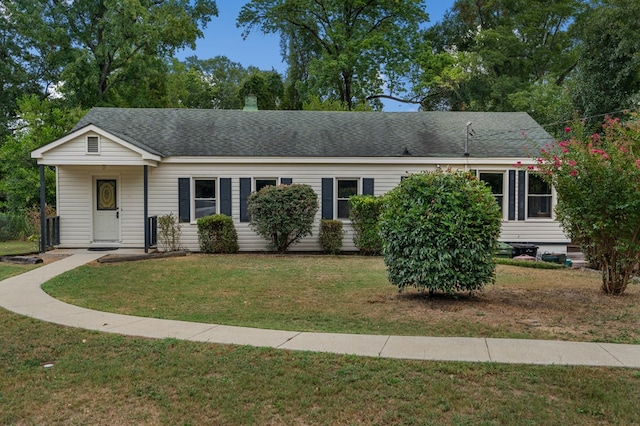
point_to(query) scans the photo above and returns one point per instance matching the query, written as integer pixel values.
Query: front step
(578, 259)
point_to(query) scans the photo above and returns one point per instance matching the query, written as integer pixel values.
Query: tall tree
(267, 86)
(357, 45)
(608, 72)
(220, 77)
(30, 58)
(113, 45)
(40, 122)
(488, 50)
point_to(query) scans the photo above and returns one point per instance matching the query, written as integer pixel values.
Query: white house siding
(547, 235)
(75, 195)
(74, 152)
(76, 203)
(163, 196)
(163, 193)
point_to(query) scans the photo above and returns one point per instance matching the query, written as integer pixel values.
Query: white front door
(106, 214)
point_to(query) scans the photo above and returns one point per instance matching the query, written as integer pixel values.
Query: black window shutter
(225, 196)
(184, 199)
(327, 198)
(286, 181)
(367, 186)
(521, 193)
(512, 195)
(245, 191)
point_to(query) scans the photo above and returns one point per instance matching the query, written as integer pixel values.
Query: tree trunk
(615, 278)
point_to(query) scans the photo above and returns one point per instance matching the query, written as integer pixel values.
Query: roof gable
(145, 153)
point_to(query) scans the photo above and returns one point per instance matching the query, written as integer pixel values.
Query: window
(93, 145)
(261, 183)
(204, 197)
(346, 188)
(495, 181)
(538, 197)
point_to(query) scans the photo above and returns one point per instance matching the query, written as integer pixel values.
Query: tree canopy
(100, 47)
(350, 48)
(483, 52)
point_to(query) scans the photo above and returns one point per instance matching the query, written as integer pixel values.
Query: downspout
(146, 209)
(43, 231)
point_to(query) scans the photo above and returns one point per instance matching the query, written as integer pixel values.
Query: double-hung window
(539, 197)
(495, 181)
(260, 183)
(204, 197)
(346, 188)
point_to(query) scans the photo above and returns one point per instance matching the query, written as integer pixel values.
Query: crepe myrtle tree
(597, 180)
(440, 231)
(283, 214)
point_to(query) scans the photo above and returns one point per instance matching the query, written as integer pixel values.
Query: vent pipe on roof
(467, 134)
(250, 103)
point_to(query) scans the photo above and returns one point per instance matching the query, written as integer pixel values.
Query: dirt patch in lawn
(573, 308)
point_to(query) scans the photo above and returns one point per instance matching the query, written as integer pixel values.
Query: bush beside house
(440, 232)
(283, 214)
(364, 215)
(331, 236)
(217, 234)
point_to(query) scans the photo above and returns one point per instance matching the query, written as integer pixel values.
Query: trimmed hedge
(331, 236)
(217, 234)
(440, 232)
(365, 215)
(283, 214)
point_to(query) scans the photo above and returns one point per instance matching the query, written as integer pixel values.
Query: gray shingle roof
(234, 133)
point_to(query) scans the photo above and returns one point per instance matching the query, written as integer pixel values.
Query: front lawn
(350, 294)
(64, 376)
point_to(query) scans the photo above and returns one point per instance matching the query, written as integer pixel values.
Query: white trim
(551, 216)
(336, 199)
(95, 160)
(216, 195)
(455, 162)
(40, 152)
(505, 188)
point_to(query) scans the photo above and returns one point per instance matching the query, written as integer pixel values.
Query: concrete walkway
(23, 295)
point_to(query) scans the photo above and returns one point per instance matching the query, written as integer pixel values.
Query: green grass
(350, 294)
(106, 379)
(16, 247)
(528, 264)
(7, 270)
(10, 248)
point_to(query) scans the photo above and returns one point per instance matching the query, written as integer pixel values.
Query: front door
(106, 215)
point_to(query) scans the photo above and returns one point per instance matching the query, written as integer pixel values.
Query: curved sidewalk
(22, 294)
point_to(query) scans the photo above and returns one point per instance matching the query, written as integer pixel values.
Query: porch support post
(43, 231)
(146, 209)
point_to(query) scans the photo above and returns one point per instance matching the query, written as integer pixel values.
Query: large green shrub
(217, 234)
(365, 215)
(440, 231)
(283, 214)
(331, 236)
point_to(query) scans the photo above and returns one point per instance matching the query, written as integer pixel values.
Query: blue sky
(222, 38)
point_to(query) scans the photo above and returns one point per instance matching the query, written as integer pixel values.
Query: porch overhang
(56, 154)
